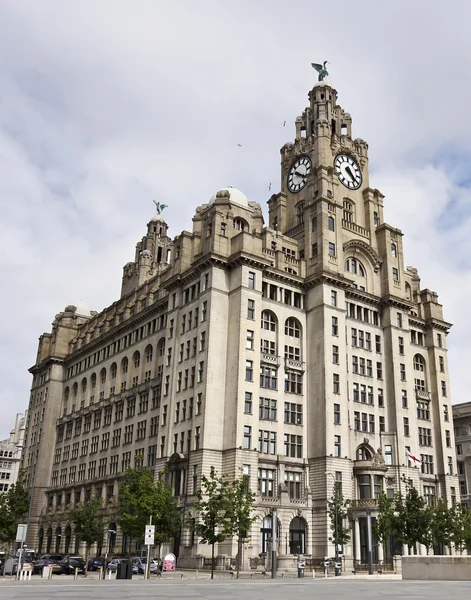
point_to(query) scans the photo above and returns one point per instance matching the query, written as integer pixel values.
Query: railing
(268, 252)
(356, 228)
(291, 363)
(396, 283)
(295, 230)
(365, 503)
(333, 259)
(422, 394)
(271, 359)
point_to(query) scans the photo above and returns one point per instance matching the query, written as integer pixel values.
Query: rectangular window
(335, 326)
(406, 426)
(247, 437)
(382, 425)
(267, 408)
(251, 309)
(388, 457)
(293, 445)
(249, 370)
(439, 340)
(248, 403)
(293, 382)
(336, 414)
(441, 364)
(354, 337)
(335, 355)
(380, 397)
(251, 280)
(404, 399)
(293, 483)
(331, 249)
(337, 446)
(379, 370)
(445, 413)
(266, 482)
(356, 421)
(250, 340)
(395, 274)
(402, 369)
(293, 413)
(314, 250)
(401, 345)
(266, 442)
(336, 383)
(447, 438)
(444, 388)
(356, 392)
(367, 340)
(355, 364)
(268, 378)
(427, 464)
(378, 344)
(333, 298)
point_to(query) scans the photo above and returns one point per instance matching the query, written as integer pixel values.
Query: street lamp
(336, 519)
(108, 531)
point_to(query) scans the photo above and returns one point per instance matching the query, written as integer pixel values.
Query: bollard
(76, 573)
(109, 574)
(100, 573)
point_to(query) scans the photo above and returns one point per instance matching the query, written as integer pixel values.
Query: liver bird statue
(159, 207)
(321, 69)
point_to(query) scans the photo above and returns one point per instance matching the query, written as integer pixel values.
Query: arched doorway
(266, 531)
(49, 540)
(68, 537)
(40, 541)
(297, 536)
(58, 539)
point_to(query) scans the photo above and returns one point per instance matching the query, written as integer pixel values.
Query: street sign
(21, 533)
(169, 562)
(149, 536)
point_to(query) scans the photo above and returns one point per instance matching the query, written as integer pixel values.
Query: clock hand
(349, 171)
(300, 174)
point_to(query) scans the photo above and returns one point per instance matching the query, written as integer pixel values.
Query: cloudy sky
(106, 105)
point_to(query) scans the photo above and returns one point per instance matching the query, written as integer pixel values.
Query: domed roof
(158, 218)
(232, 194)
(82, 309)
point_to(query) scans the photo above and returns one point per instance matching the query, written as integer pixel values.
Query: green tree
(89, 523)
(441, 524)
(239, 516)
(387, 523)
(14, 505)
(140, 498)
(414, 518)
(337, 510)
(461, 527)
(212, 506)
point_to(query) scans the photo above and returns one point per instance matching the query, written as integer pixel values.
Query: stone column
(357, 540)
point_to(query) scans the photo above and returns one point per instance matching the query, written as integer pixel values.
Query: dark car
(95, 562)
(70, 563)
(55, 565)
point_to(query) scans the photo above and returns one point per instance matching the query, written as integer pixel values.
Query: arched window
(419, 363)
(58, 539)
(114, 370)
(93, 380)
(103, 375)
(331, 223)
(161, 347)
(314, 224)
(66, 396)
(239, 224)
(68, 537)
(292, 328)
(49, 540)
(84, 386)
(394, 250)
(363, 453)
(348, 211)
(124, 365)
(149, 353)
(75, 389)
(268, 320)
(297, 536)
(136, 357)
(354, 266)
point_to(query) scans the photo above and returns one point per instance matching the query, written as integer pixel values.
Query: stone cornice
(387, 301)
(328, 278)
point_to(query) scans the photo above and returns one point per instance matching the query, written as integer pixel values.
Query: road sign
(21, 533)
(149, 536)
(169, 562)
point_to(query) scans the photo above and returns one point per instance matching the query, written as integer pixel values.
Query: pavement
(226, 589)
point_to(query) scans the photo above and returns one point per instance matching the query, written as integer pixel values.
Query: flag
(413, 459)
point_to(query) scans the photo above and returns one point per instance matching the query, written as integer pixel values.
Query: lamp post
(370, 542)
(336, 521)
(108, 531)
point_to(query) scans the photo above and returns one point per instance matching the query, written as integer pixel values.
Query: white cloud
(105, 106)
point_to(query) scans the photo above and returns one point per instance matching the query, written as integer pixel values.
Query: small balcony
(293, 364)
(365, 504)
(271, 359)
(422, 394)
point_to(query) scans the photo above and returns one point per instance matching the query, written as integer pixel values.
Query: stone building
(10, 453)
(462, 425)
(302, 352)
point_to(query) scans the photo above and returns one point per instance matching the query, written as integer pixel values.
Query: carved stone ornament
(299, 512)
(378, 458)
(368, 250)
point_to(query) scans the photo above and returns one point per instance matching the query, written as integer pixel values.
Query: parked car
(113, 565)
(54, 557)
(153, 568)
(55, 565)
(11, 565)
(70, 563)
(28, 554)
(140, 564)
(94, 562)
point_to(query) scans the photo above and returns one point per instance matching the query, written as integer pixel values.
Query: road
(234, 590)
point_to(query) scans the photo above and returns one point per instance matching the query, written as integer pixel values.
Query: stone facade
(10, 453)
(303, 353)
(462, 425)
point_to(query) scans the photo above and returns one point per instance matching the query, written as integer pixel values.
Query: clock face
(297, 176)
(348, 171)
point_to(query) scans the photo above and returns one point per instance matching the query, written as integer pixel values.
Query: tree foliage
(213, 508)
(14, 505)
(337, 510)
(140, 498)
(89, 522)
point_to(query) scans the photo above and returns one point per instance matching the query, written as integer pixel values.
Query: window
(335, 355)
(441, 364)
(335, 326)
(388, 457)
(292, 328)
(333, 298)
(439, 340)
(293, 413)
(406, 427)
(251, 309)
(463, 488)
(404, 398)
(267, 408)
(331, 249)
(266, 482)
(380, 397)
(266, 442)
(382, 425)
(379, 370)
(427, 464)
(367, 340)
(336, 414)
(459, 449)
(356, 421)
(352, 265)
(399, 319)
(347, 211)
(401, 345)
(248, 403)
(378, 344)
(314, 224)
(293, 382)
(444, 388)
(268, 378)
(364, 486)
(402, 369)
(337, 446)
(331, 223)
(250, 340)
(394, 250)
(293, 445)
(314, 250)
(247, 437)
(354, 337)
(448, 438)
(249, 370)
(395, 274)
(425, 436)
(268, 321)
(268, 347)
(355, 364)
(445, 413)
(251, 280)
(336, 383)
(293, 483)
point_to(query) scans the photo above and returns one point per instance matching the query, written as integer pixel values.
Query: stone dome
(232, 194)
(157, 218)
